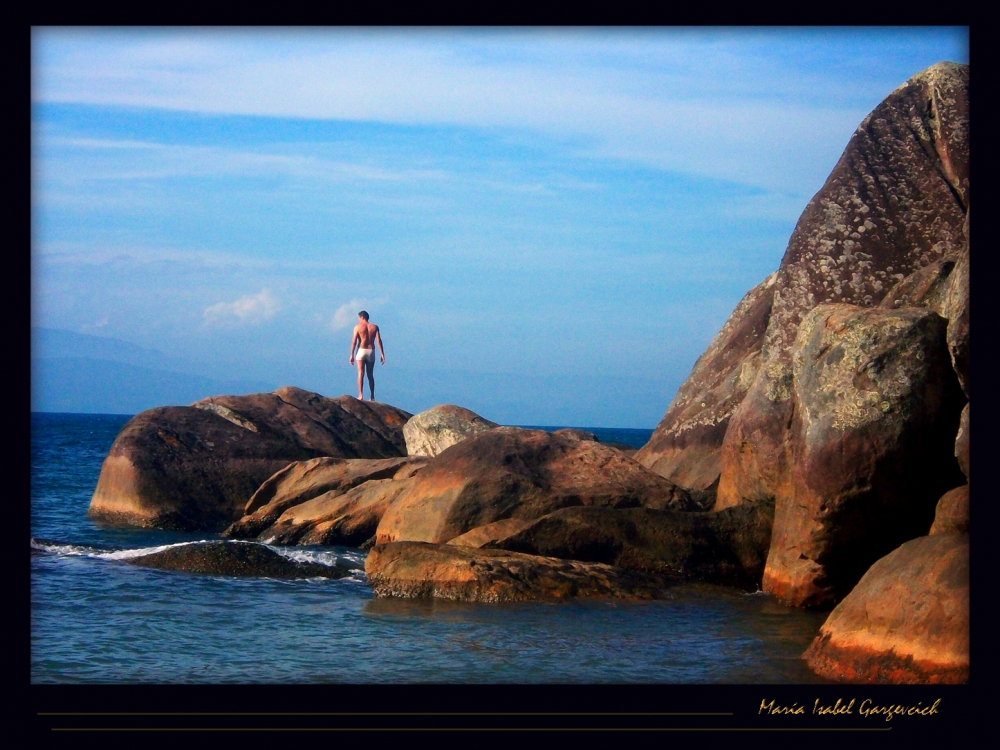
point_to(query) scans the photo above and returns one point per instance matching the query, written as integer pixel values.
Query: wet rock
(952, 513)
(194, 467)
(727, 547)
(304, 480)
(871, 446)
(235, 559)
(509, 472)
(418, 569)
(684, 448)
(430, 432)
(907, 620)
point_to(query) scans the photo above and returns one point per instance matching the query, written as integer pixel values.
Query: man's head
(363, 315)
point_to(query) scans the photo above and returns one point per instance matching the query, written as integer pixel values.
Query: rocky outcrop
(194, 467)
(416, 569)
(727, 547)
(344, 518)
(893, 210)
(871, 446)
(508, 472)
(962, 442)
(430, 432)
(234, 559)
(907, 620)
(685, 445)
(302, 481)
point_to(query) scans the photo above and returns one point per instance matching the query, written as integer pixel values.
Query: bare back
(366, 335)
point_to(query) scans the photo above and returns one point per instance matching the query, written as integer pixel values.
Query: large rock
(727, 547)
(346, 518)
(871, 446)
(685, 445)
(896, 203)
(235, 559)
(509, 472)
(430, 432)
(194, 467)
(907, 620)
(304, 480)
(416, 569)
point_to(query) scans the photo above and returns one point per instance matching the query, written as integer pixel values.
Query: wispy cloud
(712, 103)
(254, 308)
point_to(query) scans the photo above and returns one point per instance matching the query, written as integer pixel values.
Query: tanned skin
(365, 336)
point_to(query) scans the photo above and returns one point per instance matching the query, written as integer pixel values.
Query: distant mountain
(74, 372)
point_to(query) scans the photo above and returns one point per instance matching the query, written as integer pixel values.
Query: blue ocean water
(97, 620)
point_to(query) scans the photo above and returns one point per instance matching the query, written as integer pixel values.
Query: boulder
(345, 518)
(727, 547)
(419, 569)
(574, 433)
(430, 432)
(234, 559)
(907, 620)
(509, 472)
(870, 446)
(952, 513)
(895, 204)
(685, 445)
(194, 467)
(303, 480)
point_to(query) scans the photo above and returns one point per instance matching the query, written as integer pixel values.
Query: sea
(95, 619)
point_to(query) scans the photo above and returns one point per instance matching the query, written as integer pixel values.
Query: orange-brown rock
(345, 518)
(419, 569)
(508, 472)
(304, 480)
(952, 513)
(194, 467)
(907, 620)
(726, 547)
(430, 432)
(871, 446)
(684, 448)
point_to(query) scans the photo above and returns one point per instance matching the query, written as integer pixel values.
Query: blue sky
(549, 225)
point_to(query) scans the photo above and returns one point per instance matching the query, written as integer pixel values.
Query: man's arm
(378, 340)
(354, 343)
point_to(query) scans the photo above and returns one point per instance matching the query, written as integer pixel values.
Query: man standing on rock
(365, 334)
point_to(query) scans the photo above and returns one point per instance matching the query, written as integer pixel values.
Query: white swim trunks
(366, 355)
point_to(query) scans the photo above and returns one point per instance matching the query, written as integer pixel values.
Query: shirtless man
(364, 338)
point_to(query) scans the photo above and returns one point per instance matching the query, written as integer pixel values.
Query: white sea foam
(321, 557)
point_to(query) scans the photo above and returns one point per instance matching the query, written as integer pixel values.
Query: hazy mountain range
(76, 372)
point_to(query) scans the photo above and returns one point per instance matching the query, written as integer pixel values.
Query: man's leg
(370, 365)
(361, 380)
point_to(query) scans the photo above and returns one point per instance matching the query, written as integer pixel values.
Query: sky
(548, 225)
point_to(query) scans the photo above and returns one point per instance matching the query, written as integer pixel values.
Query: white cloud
(346, 315)
(247, 309)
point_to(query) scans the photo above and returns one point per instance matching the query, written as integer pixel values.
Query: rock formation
(907, 620)
(302, 481)
(234, 559)
(430, 432)
(417, 569)
(195, 467)
(509, 472)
